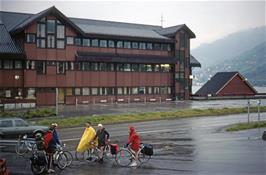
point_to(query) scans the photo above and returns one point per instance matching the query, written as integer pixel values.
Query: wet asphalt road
(183, 146)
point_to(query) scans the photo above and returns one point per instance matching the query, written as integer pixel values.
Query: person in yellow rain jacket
(88, 135)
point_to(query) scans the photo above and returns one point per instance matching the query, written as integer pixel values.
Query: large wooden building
(91, 61)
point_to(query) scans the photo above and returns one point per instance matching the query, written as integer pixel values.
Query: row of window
(10, 64)
(62, 67)
(28, 93)
(119, 91)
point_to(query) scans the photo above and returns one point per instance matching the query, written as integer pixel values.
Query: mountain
(244, 51)
(229, 46)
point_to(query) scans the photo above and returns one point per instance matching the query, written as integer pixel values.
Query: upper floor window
(18, 64)
(40, 67)
(50, 41)
(127, 44)
(164, 47)
(60, 33)
(60, 67)
(149, 46)
(51, 26)
(77, 41)
(111, 43)
(30, 38)
(103, 43)
(135, 67)
(142, 45)
(135, 45)
(40, 30)
(119, 44)
(60, 44)
(70, 40)
(157, 46)
(86, 42)
(8, 64)
(94, 43)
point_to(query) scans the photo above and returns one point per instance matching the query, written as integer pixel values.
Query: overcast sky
(209, 20)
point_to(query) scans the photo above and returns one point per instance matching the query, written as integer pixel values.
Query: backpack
(148, 149)
(114, 149)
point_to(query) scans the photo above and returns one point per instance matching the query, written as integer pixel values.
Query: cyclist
(50, 142)
(103, 140)
(134, 142)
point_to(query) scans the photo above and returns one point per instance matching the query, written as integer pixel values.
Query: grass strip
(147, 116)
(244, 126)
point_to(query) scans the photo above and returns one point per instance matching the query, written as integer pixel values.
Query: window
(94, 66)
(149, 90)
(110, 91)
(149, 67)
(31, 93)
(163, 90)
(20, 123)
(169, 90)
(126, 91)
(103, 91)
(70, 40)
(77, 41)
(86, 42)
(141, 90)
(85, 91)
(60, 44)
(135, 67)
(103, 43)
(119, 67)
(6, 123)
(69, 91)
(50, 41)
(127, 67)
(143, 67)
(30, 65)
(165, 67)
(60, 69)
(157, 46)
(127, 45)
(156, 67)
(164, 47)
(41, 43)
(94, 91)
(119, 44)
(40, 30)
(77, 65)
(135, 90)
(110, 67)
(86, 66)
(103, 66)
(156, 90)
(149, 46)
(135, 45)
(30, 38)
(8, 93)
(77, 91)
(182, 40)
(119, 91)
(111, 43)
(40, 67)
(50, 26)
(60, 33)
(168, 47)
(8, 64)
(94, 43)
(18, 64)
(142, 46)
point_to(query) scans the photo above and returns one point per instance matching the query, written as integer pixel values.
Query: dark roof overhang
(123, 58)
(172, 31)
(194, 62)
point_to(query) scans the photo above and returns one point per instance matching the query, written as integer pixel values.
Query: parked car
(12, 128)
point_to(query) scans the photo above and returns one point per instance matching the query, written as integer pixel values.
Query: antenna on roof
(162, 20)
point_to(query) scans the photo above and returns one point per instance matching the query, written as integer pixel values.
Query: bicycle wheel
(143, 158)
(62, 161)
(123, 157)
(21, 147)
(69, 157)
(79, 156)
(37, 169)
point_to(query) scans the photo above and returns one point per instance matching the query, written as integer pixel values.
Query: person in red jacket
(134, 142)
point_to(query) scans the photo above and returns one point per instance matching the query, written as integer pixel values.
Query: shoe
(133, 164)
(50, 171)
(89, 158)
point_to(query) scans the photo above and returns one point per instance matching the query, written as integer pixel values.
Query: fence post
(259, 101)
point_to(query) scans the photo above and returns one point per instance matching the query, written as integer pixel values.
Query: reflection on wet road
(182, 146)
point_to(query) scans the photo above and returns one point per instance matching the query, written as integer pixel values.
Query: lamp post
(17, 77)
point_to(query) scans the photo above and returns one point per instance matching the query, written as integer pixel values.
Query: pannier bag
(114, 149)
(148, 149)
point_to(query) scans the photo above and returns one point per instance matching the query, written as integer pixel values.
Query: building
(91, 61)
(226, 84)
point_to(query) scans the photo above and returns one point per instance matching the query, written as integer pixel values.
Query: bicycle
(67, 154)
(24, 145)
(125, 156)
(92, 153)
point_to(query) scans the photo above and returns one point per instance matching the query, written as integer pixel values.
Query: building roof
(16, 22)
(194, 62)
(123, 58)
(8, 48)
(218, 82)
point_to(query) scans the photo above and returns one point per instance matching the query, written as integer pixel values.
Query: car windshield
(21, 123)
